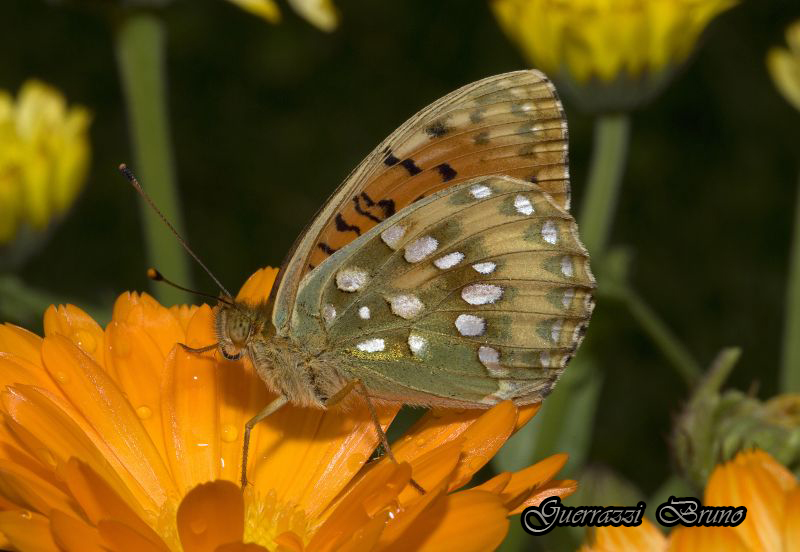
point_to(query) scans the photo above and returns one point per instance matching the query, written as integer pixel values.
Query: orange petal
(434, 429)
(752, 479)
(483, 439)
(20, 342)
(27, 531)
(210, 515)
(628, 539)
(561, 489)
(525, 414)
(98, 398)
(37, 418)
(192, 433)
(433, 468)
(183, 314)
(429, 505)
(791, 520)
(367, 537)
(689, 539)
(74, 535)
(535, 475)
(471, 521)
(288, 542)
(31, 492)
(77, 326)
(99, 501)
(240, 547)
(158, 322)
(308, 456)
(16, 369)
(373, 494)
(138, 367)
(496, 484)
(118, 537)
(258, 285)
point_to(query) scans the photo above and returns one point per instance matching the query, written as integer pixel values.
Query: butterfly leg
(198, 350)
(343, 392)
(271, 408)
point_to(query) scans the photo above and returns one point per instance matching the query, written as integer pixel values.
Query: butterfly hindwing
(511, 124)
(476, 294)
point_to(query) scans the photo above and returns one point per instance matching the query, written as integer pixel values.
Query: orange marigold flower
(753, 479)
(118, 439)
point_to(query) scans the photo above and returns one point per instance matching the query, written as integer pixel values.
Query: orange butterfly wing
(511, 124)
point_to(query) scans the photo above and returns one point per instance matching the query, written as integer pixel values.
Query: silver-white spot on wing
(374, 345)
(406, 306)
(555, 330)
(449, 261)
(567, 269)
(470, 325)
(490, 358)
(566, 298)
(545, 359)
(328, 313)
(417, 344)
(420, 249)
(523, 205)
(550, 232)
(485, 268)
(392, 236)
(351, 279)
(481, 294)
(363, 313)
(480, 191)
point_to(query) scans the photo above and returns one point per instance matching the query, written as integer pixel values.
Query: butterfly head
(237, 324)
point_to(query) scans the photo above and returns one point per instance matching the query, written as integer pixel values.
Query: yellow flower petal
(162, 325)
(210, 515)
(74, 324)
(689, 539)
(561, 488)
(433, 468)
(258, 285)
(752, 479)
(27, 531)
(31, 491)
(428, 505)
(784, 67)
(100, 401)
(320, 13)
(117, 536)
(627, 539)
(72, 534)
(791, 521)
(21, 343)
(266, 9)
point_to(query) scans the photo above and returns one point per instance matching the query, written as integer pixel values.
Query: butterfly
(445, 271)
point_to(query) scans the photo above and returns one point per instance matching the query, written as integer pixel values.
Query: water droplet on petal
(48, 458)
(85, 341)
(144, 412)
(355, 461)
(62, 377)
(229, 433)
(420, 442)
(198, 526)
(25, 514)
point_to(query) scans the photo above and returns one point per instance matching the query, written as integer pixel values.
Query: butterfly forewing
(476, 294)
(511, 124)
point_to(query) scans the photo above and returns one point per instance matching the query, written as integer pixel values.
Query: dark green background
(267, 120)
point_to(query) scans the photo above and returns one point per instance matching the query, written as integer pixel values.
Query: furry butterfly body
(445, 271)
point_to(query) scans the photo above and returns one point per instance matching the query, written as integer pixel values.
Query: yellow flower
(627, 47)
(752, 479)
(119, 438)
(785, 66)
(44, 156)
(321, 13)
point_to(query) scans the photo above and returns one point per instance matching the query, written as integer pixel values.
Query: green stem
(611, 134)
(790, 365)
(141, 53)
(680, 357)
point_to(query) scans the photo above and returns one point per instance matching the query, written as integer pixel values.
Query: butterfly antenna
(126, 172)
(156, 276)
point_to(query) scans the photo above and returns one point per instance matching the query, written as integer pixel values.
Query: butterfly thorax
(287, 367)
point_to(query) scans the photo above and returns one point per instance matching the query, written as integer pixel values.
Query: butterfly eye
(238, 328)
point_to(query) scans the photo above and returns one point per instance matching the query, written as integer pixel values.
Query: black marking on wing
(437, 130)
(447, 172)
(420, 197)
(390, 160)
(388, 207)
(410, 166)
(326, 248)
(482, 138)
(343, 226)
(361, 211)
(311, 266)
